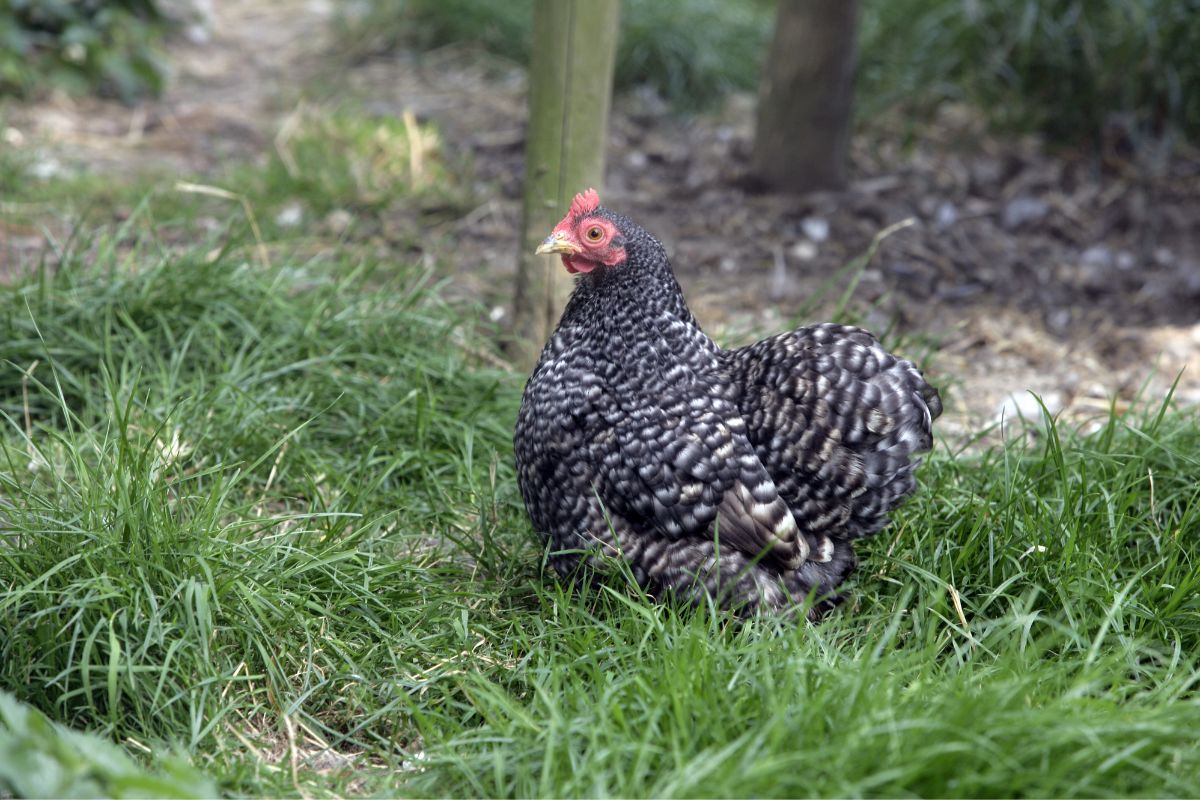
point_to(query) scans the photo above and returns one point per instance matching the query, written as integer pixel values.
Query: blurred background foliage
(1076, 70)
(692, 52)
(40, 758)
(107, 46)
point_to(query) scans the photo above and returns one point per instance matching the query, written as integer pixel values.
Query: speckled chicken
(741, 475)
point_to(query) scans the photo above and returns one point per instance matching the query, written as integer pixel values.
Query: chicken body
(741, 475)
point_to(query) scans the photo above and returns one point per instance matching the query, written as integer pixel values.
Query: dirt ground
(1070, 274)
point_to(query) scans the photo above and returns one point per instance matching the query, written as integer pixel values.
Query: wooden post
(803, 127)
(570, 90)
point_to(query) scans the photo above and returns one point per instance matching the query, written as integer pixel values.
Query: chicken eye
(594, 233)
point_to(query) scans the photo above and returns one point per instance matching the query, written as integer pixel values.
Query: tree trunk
(804, 101)
(570, 90)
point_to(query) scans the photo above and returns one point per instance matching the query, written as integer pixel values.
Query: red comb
(584, 203)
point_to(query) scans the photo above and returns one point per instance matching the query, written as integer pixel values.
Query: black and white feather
(744, 475)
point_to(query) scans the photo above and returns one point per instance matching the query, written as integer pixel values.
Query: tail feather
(839, 423)
(913, 405)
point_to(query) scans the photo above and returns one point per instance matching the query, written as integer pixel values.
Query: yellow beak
(557, 243)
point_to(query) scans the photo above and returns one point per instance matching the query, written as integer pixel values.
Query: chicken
(744, 476)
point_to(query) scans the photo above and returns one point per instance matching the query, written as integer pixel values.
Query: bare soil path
(234, 74)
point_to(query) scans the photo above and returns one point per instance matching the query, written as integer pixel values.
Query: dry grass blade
(225, 194)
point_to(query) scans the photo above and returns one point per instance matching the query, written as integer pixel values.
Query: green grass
(324, 159)
(213, 464)
(252, 512)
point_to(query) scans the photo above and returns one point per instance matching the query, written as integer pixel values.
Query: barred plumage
(744, 475)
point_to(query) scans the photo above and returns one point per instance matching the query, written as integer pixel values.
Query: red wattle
(577, 265)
